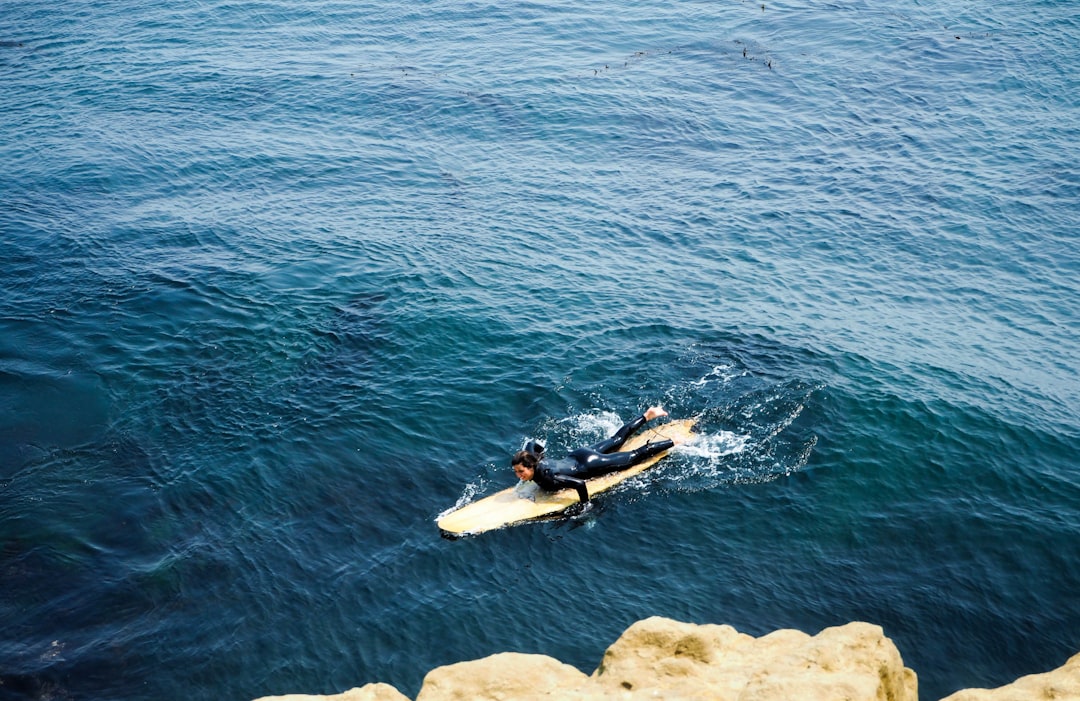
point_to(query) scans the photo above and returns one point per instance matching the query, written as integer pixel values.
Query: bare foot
(654, 412)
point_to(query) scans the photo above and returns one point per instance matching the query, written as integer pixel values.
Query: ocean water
(282, 282)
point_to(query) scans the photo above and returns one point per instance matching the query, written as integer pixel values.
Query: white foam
(603, 423)
(714, 446)
(723, 373)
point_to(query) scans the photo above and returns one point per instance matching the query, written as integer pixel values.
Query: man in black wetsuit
(583, 463)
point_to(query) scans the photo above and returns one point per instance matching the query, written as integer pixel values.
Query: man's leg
(612, 444)
(591, 464)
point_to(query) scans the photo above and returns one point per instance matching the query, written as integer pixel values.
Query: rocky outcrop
(505, 676)
(663, 659)
(1062, 684)
(658, 657)
(368, 692)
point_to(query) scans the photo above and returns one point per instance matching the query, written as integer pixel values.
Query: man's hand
(654, 412)
(579, 509)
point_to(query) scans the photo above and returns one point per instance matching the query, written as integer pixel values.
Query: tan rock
(508, 676)
(368, 692)
(658, 657)
(1061, 684)
(658, 654)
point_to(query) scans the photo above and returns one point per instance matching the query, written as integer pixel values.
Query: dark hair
(526, 458)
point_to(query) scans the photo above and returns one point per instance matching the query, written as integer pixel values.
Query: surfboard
(527, 502)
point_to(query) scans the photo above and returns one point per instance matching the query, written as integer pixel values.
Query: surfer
(583, 463)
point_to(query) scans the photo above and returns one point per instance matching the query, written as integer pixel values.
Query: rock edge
(658, 658)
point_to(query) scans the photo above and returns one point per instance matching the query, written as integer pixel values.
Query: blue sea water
(282, 282)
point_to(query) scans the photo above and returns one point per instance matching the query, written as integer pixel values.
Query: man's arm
(566, 481)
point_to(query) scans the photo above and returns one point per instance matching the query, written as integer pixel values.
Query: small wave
(585, 428)
(720, 373)
(467, 496)
(54, 652)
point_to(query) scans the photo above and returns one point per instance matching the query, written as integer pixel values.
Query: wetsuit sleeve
(566, 481)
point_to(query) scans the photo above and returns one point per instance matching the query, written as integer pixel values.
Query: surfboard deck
(527, 502)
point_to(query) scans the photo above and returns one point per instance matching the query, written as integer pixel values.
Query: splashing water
(713, 448)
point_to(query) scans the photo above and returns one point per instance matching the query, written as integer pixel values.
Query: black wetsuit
(599, 459)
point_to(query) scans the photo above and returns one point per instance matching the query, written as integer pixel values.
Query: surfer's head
(524, 463)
